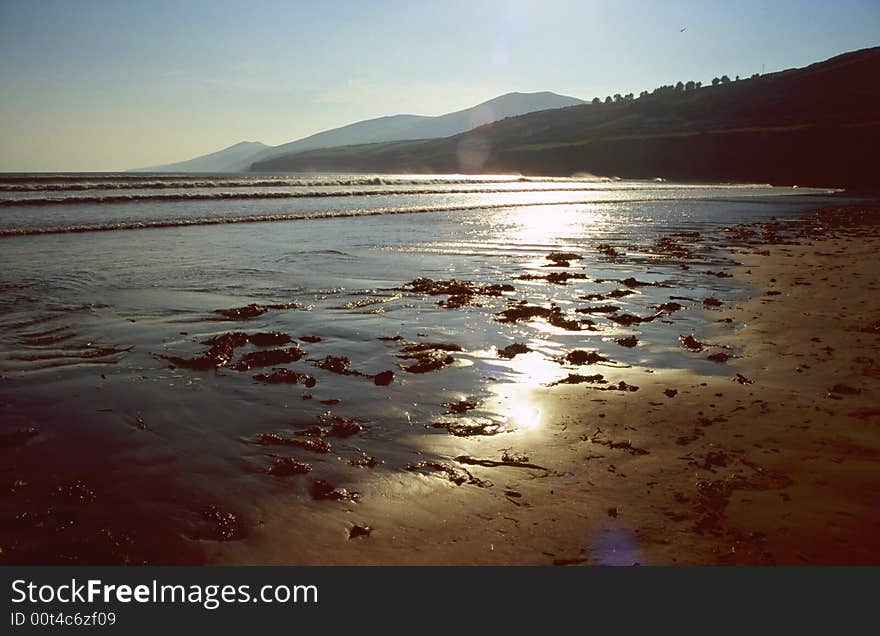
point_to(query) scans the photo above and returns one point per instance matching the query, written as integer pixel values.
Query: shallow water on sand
(116, 451)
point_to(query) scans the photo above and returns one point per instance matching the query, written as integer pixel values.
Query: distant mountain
(393, 128)
(818, 125)
(227, 160)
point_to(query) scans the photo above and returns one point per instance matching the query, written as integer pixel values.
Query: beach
(365, 370)
(775, 464)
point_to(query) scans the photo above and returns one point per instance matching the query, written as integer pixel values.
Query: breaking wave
(264, 218)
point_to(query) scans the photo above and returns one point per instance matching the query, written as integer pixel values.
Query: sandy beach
(666, 393)
(774, 462)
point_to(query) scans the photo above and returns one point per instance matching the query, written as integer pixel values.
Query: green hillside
(819, 125)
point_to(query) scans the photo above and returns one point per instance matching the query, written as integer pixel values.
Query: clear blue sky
(102, 85)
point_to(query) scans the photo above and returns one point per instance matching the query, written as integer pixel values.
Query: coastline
(772, 463)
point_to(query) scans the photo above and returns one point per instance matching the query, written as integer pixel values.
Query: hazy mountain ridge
(390, 128)
(817, 125)
(227, 160)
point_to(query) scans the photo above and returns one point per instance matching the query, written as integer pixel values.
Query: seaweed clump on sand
(269, 358)
(598, 309)
(251, 311)
(336, 364)
(614, 293)
(367, 461)
(286, 376)
(274, 439)
(462, 406)
(428, 356)
(222, 349)
(459, 292)
(226, 525)
(690, 343)
(512, 350)
(341, 426)
(562, 259)
(720, 357)
(630, 319)
(626, 445)
(557, 278)
(581, 358)
(457, 476)
(628, 341)
(325, 490)
(669, 307)
(668, 246)
(283, 466)
(576, 378)
(470, 427)
(553, 315)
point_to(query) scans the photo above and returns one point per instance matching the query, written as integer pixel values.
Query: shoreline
(772, 464)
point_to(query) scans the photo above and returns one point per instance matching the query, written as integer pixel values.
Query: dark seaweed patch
(283, 466)
(512, 350)
(323, 490)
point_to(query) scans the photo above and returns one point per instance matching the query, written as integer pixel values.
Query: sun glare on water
(549, 224)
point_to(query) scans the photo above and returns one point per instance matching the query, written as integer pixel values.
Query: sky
(91, 85)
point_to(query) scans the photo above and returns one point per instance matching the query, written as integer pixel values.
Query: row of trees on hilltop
(680, 87)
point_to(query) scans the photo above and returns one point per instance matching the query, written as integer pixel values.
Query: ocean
(132, 439)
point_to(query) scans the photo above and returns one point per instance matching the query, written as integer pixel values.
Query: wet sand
(673, 415)
(773, 463)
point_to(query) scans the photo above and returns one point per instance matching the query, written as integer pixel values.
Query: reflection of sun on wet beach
(290, 391)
